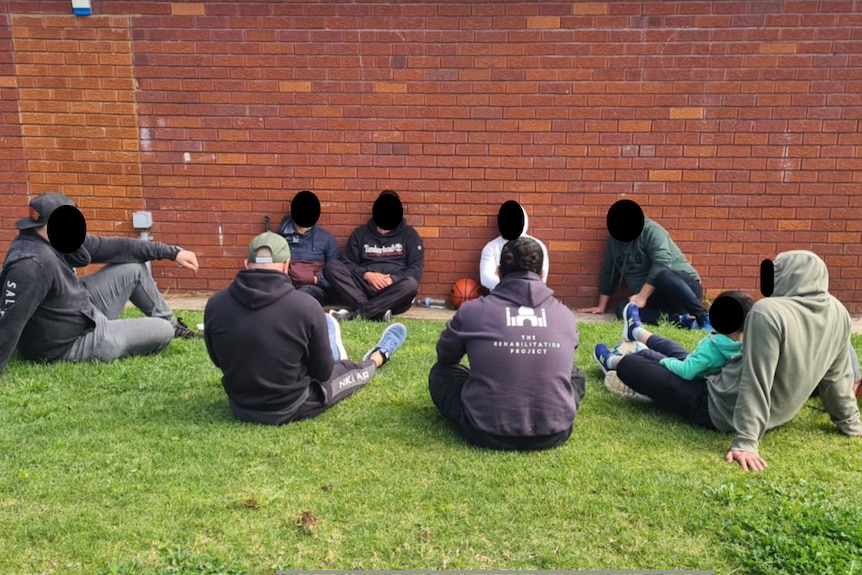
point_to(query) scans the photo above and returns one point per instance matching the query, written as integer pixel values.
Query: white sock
(638, 333)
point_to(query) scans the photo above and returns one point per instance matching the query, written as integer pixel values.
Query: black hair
(743, 298)
(521, 254)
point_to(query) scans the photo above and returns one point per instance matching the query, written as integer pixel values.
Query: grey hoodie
(795, 341)
(521, 343)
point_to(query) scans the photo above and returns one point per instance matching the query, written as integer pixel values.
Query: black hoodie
(269, 340)
(397, 252)
(521, 343)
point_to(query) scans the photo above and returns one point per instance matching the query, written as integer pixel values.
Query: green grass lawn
(137, 467)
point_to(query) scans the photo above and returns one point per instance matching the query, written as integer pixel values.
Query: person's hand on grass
(594, 309)
(748, 461)
(187, 259)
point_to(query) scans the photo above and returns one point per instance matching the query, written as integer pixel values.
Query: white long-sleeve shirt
(491, 259)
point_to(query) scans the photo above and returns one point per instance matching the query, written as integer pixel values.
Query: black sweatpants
(675, 293)
(688, 399)
(366, 302)
(347, 378)
(445, 383)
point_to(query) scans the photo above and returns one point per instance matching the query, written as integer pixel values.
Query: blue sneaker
(688, 321)
(335, 343)
(631, 320)
(602, 355)
(391, 340)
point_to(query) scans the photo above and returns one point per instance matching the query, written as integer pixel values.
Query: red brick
(759, 115)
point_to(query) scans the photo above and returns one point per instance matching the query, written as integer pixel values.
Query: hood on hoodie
(373, 227)
(725, 346)
(526, 221)
(259, 288)
(800, 273)
(531, 293)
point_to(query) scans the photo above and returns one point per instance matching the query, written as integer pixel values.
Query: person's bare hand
(376, 280)
(639, 300)
(187, 259)
(594, 309)
(748, 461)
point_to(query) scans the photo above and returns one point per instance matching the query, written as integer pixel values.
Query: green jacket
(709, 356)
(795, 341)
(641, 261)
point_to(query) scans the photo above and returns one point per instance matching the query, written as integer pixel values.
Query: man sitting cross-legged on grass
(51, 314)
(281, 356)
(522, 390)
(708, 357)
(795, 341)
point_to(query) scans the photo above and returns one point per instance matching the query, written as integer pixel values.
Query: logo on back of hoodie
(526, 316)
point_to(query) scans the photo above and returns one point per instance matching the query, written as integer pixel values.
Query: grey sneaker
(616, 386)
(387, 317)
(335, 343)
(391, 340)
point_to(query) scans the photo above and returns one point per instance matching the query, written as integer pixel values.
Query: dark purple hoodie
(521, 343)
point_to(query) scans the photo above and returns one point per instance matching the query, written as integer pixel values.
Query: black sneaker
(182, 331)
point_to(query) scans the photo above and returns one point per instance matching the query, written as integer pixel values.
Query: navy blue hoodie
(397, 253)
(309, 252)
(521, 343)
(269, 340)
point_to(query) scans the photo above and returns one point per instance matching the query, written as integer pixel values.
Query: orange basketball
(463, 290)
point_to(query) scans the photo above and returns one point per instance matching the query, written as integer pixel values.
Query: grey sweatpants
(110, 288)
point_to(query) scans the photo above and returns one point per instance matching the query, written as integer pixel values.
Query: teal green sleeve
(701, 361)
(658, 247)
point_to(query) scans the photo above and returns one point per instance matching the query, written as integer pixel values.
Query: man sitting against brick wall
(382, 266)
(311, 247)
(513, 222)
(50, 314)
(522, 390)
(659, 276)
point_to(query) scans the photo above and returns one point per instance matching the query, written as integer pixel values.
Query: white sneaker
(335, 343)
(616, 386)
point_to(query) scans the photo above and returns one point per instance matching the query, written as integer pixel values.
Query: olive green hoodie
(639, 262)
(795, 341)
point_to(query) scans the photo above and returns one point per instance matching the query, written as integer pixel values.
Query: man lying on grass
(795, 342)
(281, 356)
(522, 390)
(51, 314)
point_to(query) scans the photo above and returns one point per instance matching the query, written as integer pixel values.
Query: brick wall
(735, 124)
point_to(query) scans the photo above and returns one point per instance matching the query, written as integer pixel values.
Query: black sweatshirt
(44, 307)
(397, 252)
(269, 340)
